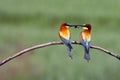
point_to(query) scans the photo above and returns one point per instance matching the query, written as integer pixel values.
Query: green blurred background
(25, 23)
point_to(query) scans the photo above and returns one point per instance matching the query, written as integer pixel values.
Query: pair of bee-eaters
(85, 37)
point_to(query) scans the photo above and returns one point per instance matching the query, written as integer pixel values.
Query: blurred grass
(24, 23)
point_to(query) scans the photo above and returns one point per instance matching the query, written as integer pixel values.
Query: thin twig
(55, 43)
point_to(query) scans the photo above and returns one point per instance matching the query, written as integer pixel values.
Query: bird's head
(86, 26)
(65, 25)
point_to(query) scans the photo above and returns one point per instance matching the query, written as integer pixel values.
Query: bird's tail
(70, 51)
(86, 54)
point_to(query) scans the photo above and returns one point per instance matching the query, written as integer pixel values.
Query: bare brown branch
(54, 43)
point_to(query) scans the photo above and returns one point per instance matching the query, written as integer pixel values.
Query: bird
(85, 39)
(65, 36)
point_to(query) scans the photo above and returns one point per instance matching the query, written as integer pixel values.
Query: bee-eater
(85, 39)
(65, 36)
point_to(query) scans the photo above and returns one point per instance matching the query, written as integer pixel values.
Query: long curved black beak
(76, 25)
(82, 25)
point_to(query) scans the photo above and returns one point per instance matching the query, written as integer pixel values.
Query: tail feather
(70, 51)
(68, 44)
(86, 54)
